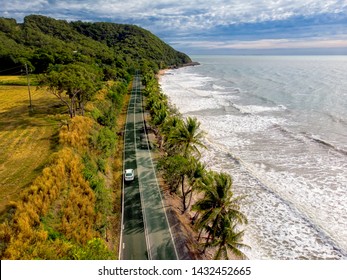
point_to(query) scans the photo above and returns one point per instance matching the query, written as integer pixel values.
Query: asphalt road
(146, 232)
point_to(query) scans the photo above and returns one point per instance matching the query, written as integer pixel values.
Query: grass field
(26, 137)
(12, 78)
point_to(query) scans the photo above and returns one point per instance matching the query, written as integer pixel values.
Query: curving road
(146, 233)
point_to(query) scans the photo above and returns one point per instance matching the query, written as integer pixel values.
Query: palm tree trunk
(196, 215)
(199, 236)
(190, 198)
(183, 196)
(206, 243)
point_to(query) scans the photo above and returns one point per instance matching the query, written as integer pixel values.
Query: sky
(212, 26)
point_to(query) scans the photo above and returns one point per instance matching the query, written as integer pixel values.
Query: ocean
(278, 126)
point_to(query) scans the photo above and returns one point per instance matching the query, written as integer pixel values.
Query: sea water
(278, 126)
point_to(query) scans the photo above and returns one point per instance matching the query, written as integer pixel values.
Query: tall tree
(171, 123)
(196, 177)
(175, 170)
(73, 84)
(216, 203)
(179, 172)
(228, 240)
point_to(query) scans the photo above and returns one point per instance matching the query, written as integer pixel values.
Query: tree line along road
(146, 233)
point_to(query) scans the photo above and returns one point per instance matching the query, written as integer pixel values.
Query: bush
(107, 118)
(101, 163)
(104, 141)
(95, 249)
(76, 134)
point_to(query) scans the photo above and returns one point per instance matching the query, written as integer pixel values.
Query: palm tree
(228, 239)
(171, 123)
(183, 138)
(195, 177)
(194, 172)
(187, 138)
(217, 202)
(160, 115)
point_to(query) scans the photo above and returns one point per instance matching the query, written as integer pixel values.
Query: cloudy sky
(212, 26)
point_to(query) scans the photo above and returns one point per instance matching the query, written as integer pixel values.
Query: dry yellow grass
(12, 78)
(25, 137)
(58, 202)
(25, 236)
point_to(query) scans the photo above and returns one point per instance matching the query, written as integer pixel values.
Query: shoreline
(261, 250)
(162, 72)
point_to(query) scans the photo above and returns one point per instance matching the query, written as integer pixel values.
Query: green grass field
(26, 137)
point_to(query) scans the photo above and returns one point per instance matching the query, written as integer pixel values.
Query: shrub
(95, 249)
(76, 134)
(104, 141)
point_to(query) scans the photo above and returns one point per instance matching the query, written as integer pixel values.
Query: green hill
(42, 41)
(133, 41)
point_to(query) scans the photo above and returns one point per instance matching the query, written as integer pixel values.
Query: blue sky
(213, 26)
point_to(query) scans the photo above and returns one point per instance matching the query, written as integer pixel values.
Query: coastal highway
(146, 231)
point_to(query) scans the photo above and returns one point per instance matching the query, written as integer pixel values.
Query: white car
(129, 175)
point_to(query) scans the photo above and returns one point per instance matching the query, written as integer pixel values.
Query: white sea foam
(239, 124)
(276, 230)
(218, 87)
(262, 134)
(254, 109)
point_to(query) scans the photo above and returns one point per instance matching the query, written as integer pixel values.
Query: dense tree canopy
(41, 41)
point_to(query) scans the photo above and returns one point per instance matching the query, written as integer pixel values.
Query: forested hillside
(41, 41)
(133, 41)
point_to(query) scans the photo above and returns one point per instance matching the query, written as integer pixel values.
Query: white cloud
(183, 14)
(262, 44)
(202, 18)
